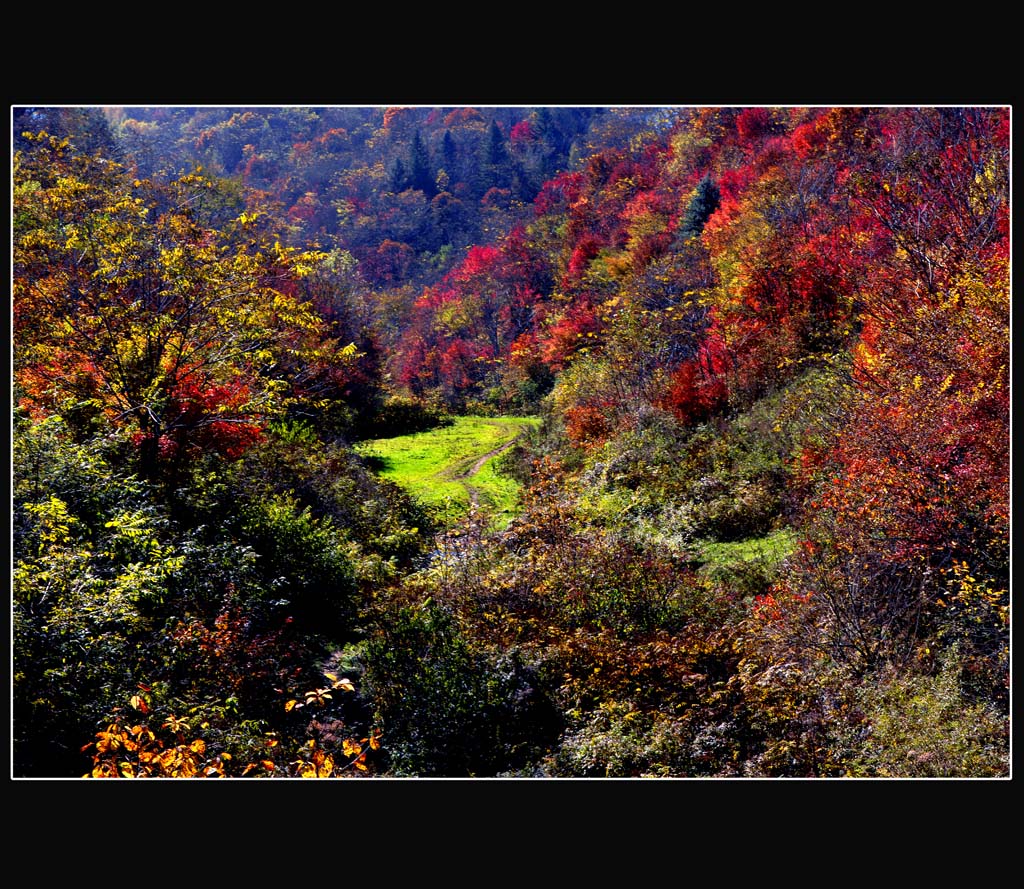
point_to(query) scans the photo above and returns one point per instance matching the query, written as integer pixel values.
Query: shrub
(619, 741)
(304, 562)
(447, 710)
(921, 727)
(400, 415)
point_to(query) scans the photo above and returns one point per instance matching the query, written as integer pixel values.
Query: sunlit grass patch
(770, 549)
(439, 467)
(747, 565)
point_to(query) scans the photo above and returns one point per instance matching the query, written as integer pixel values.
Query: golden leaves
(319, 765)
(175, 725)
(136, 752)
(320, 696)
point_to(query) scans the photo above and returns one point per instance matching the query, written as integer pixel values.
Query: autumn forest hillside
(762, 520)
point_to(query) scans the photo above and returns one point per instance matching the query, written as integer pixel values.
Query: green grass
(437, 467)
(773, 548)
(746, 565)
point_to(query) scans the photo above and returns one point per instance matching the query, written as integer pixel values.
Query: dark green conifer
(703, 203)
(397, 176)
(420, 175)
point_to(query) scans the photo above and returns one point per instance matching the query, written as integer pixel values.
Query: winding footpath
(474, 494)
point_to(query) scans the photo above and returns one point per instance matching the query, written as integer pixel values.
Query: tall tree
(450, 156)
(420, 175)
(496, 163)
(397, 176)
(703, 203)
(126, 306)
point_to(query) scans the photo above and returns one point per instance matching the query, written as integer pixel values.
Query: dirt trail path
(476, 467)
(474, 497)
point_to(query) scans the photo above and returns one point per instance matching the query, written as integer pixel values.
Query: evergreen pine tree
(397, 176)
(450, 156)
(419, 167)
(496, 165)
(703, 203)
(495, 154)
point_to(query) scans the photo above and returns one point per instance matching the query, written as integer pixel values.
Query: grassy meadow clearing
(453, 467)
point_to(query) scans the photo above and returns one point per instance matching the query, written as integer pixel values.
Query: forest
(510, 442)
